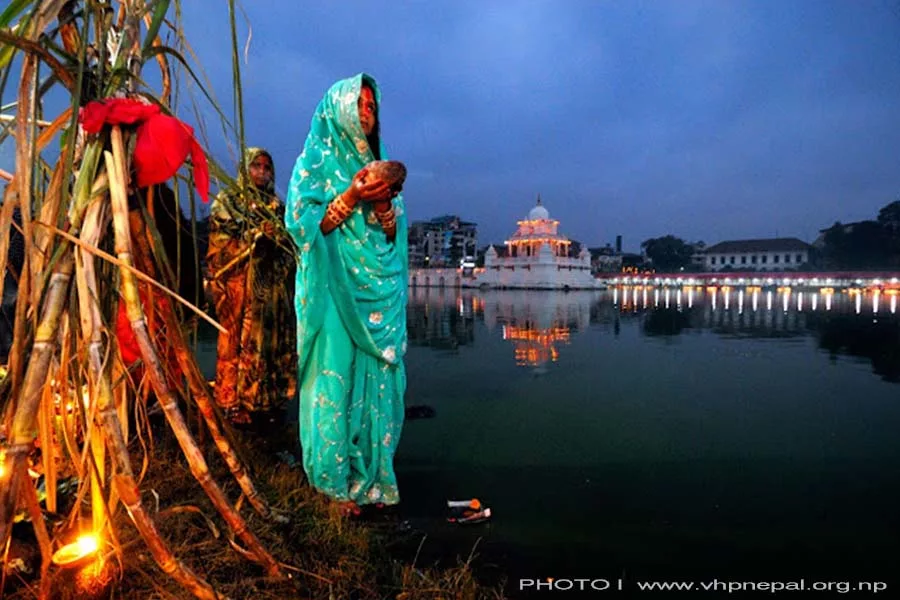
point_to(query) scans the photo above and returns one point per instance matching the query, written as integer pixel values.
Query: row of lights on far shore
(767, 281)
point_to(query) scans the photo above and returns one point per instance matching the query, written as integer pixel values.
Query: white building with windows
(776, 254)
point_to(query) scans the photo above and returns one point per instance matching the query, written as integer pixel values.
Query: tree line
(863, 245)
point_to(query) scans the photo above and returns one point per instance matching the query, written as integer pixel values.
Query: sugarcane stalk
(6, 220)
(199, 387)
(25, 125)
(90, 324)
(23, 183)
(115, 167)
(128, 267)
(127, 488)
(24, 420)
(30, 500)
(48, 450)
(107, 420)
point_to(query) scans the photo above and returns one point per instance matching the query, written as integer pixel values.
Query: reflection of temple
(535, 347)
(538, 323)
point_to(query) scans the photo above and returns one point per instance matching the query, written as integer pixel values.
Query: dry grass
(328, 556)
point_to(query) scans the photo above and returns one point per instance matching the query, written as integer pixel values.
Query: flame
(70, 554)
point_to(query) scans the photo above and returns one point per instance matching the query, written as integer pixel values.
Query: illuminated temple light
(858, 303)
(875, 298)
(769, 300)
(754, 299)
(893, 304)
(536, 346)
(815, 301)
(800, 301)
(741, 302)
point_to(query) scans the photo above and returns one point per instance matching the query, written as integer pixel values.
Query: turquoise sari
(350, 301)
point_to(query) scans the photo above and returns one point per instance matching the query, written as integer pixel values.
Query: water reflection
(443, 319)
(852, 322)
(538, 326)
(538, 323)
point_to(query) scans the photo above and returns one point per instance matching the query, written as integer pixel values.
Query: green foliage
(15, 8)
(865, 245)
(668, 253)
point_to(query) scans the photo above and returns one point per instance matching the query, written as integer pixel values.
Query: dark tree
(668, 253)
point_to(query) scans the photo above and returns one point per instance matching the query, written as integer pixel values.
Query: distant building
(536, 256)
(441, 242)
(776, 254)
(606, 259)
(698, 258)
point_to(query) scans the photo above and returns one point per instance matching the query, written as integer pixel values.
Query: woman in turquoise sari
(350, 301)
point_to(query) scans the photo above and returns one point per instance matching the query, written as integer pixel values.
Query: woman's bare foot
(348, 508)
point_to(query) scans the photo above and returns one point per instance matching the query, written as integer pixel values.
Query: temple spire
(539, 199)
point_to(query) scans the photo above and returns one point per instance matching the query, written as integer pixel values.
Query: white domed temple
(537, 256)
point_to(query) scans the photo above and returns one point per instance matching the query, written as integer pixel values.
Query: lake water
(647, 434)
(644, 435)
(641, 433)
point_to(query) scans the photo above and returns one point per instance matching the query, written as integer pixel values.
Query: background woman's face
(367, 110)
(261, 171)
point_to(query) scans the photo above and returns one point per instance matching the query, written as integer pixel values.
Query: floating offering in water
(467, 511)
(470, 517)
(474, 504)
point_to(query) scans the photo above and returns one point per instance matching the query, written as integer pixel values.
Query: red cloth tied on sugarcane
(129, 348)
(163, 142)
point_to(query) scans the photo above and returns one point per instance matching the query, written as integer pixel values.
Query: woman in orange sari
(251, 266)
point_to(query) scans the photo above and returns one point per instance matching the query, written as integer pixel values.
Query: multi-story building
(442, 242)
(777, 254)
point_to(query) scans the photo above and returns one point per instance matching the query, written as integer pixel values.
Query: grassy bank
(328, 556)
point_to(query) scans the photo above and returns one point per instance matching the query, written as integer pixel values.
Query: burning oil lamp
(72, 555)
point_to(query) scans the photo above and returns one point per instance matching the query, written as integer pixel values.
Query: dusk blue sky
(710, 120)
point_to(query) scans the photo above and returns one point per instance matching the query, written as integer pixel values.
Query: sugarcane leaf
(177, 55)
(159, 15)
(13, 10)
(7, 51)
